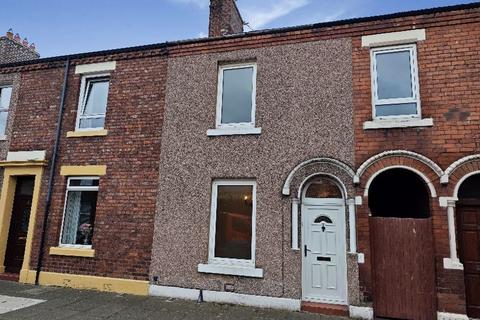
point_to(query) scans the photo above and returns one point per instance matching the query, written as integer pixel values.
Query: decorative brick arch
(459, 171)
(428, 170)
(331, 166)
(464, 166)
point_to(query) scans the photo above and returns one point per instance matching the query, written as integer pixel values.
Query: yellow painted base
(2, 269)
(27, 276)
(100, 170)
(135, 287)
(72, 252)
(88, 133)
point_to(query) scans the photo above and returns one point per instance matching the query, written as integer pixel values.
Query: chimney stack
(225, 18)
(14, 49)
(10, 34)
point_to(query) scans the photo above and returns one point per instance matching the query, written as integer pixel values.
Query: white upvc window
(232, 223)
(5, 97)
(79, 212)
(395, 85)
(236, 96)
(92, 105)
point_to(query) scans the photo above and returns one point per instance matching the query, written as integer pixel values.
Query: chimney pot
(32, 46)
(17, 37)
(25, 42)
(10, 33)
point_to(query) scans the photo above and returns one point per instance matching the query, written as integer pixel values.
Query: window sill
(72, 252)
(231, 270)
(397, 123)
(451, 264)
(87, 133)
(233, 131)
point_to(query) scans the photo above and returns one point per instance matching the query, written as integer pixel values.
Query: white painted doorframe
(337, 205)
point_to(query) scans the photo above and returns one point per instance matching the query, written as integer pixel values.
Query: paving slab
(27, 302)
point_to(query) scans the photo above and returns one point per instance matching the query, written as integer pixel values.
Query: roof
(165, 45)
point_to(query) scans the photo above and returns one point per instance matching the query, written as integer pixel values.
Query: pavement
(22, 302)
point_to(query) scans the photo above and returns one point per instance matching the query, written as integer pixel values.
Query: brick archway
(459, 171)
(427, 169)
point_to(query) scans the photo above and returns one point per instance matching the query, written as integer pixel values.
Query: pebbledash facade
(330, 168)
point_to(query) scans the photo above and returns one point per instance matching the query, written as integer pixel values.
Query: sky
(59, 27)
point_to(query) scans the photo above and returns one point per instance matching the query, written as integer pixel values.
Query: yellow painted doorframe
(11, 172)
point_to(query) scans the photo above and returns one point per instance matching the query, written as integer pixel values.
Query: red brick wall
(131, 150)
(449, 75)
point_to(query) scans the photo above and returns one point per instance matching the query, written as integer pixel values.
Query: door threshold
(8, 276)
(325, 308)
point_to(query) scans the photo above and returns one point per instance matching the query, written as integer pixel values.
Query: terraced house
(331, 168)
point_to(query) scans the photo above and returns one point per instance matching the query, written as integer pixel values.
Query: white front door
(324, 256)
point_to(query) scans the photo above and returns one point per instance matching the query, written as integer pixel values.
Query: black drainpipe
(53, 164)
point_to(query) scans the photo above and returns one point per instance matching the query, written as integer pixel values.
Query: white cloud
(257, 17)
(199, 3)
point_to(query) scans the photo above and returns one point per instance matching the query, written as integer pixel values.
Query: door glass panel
(323, 188)
(323, 219)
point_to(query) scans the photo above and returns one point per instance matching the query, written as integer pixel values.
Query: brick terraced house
(332, 167)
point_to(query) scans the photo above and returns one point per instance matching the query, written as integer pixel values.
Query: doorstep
(7, 276)
(325, 309)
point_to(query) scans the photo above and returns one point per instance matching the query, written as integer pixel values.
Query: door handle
(306, 250)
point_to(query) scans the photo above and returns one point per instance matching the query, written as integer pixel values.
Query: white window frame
(7, 110)
(412, 49)
(76, 188)
(240, 125)
(213, 224)
(82, 100)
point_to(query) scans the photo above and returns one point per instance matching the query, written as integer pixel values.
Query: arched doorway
(323, 242)
(468, 226)
(403, 264)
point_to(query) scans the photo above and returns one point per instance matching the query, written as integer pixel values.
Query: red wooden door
(403, 268)
(17, 235)
(468, 221)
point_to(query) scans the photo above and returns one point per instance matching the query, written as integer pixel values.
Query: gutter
(53, 164)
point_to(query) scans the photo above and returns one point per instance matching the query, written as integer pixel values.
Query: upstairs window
(5, 95)
(80, 208)
(236, 96)
(93, 102)
(395, 88)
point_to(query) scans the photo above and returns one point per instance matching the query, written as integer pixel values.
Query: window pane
(233, 237)
(5, 95)
(396, 109)
(323, 189)
(237, 95)
(3, 122)
(84, 182)
(394, 78)
(79, 217)
(92, 123)
(97, 94)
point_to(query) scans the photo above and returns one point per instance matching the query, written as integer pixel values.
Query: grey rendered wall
(304, 107)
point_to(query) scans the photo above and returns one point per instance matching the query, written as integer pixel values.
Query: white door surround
(323, 249)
